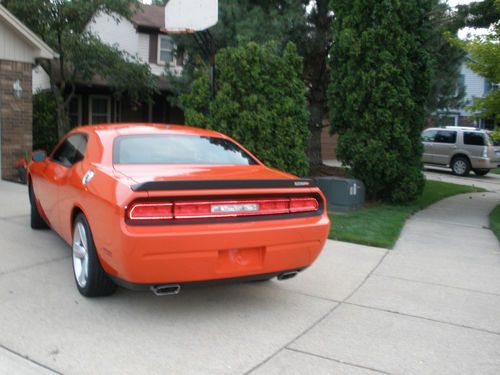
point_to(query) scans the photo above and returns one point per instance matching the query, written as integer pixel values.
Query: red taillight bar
(151, 211)
(220, 209)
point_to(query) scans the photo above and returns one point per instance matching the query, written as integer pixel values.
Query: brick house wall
(15, 115)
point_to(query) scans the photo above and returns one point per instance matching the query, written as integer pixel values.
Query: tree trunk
(317, 113)
(61, 119)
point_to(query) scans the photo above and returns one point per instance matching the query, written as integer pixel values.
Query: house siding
(13, 47)
(115, 30)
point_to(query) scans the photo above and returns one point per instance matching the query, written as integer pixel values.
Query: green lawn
(496, 170)
(381, 224)
(495, 221)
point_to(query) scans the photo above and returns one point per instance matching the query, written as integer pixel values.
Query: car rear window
(474, 139)
(178, 149)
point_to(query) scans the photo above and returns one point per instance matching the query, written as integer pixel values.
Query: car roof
(458, 128)
(114, 130)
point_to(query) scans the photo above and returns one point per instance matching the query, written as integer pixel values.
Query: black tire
(98, 283)
(481, 172)
(36, 220)
(460, 166)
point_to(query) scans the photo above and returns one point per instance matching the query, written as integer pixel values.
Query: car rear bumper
(485, 163)
(151, 255)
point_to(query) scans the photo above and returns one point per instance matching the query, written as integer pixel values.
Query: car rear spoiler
(222, 184)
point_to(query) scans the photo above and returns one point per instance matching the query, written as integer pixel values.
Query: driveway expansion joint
(27, 358)
(423, 318)
(436, 284)
(55, 260)
(327, 314)
(337, 360)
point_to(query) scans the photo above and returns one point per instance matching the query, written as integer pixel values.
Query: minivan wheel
(460, 166)
(481, 172)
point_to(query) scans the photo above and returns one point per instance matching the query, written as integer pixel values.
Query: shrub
(260, 102)
(44, 121)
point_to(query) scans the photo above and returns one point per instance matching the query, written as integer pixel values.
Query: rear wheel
(460, 166)
(36, 220)
(481, 172)
(91, 279)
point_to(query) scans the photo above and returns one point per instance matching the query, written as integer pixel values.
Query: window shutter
(153, 48)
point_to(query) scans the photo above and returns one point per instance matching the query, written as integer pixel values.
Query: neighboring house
(475, 86)
(140, 36)
(20, 49)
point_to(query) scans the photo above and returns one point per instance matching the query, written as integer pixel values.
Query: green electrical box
(342, 194)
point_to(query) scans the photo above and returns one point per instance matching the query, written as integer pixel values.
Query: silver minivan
(461, 149)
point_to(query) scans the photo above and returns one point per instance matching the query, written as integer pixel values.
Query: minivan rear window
(178, 149)
(474, 139)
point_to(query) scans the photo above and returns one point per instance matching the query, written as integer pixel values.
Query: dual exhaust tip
(172, 289)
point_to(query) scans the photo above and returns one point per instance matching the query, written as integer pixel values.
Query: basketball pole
(208, 47)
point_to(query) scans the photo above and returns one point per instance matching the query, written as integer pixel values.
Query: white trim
(158, 60)
(43, 50)
(108, 114)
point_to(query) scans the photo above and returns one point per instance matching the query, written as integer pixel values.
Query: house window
(75, 111)
(165, 50)
(99, 109)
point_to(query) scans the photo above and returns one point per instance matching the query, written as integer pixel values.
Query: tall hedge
(379, 85)
(260, 102)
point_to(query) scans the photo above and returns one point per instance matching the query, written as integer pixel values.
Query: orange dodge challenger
(160, 206)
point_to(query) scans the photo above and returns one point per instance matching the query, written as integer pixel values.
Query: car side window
(446, 136)
(71, 151)
(429, 135)
(474, 139)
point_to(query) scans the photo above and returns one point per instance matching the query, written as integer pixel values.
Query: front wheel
(460, 166)
(91, 279)
(481, 172)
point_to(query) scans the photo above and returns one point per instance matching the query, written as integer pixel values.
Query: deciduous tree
(62, 25)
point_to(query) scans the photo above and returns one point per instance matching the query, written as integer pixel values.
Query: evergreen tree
(260, 102)
(380, 80)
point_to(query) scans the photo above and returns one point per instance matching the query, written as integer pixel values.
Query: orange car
(160, 206)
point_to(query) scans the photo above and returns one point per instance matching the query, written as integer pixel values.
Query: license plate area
(237, 260)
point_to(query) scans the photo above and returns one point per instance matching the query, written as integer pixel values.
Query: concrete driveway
(431, 305)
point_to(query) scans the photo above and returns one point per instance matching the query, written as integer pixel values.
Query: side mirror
(39, 155)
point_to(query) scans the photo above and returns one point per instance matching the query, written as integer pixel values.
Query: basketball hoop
(190, 16)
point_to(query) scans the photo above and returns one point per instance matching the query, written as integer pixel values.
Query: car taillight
(303, 204)
(220, 208)
(151, 211)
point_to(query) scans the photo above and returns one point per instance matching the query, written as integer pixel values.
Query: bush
(379, 86)
(260, 102)
(44, 121)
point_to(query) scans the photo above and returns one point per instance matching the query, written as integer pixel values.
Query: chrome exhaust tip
(166, 289)
(287, 275)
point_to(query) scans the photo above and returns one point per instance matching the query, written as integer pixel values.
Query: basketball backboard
(190, 16)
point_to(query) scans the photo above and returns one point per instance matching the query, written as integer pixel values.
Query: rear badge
(225, 208)
(301, 183)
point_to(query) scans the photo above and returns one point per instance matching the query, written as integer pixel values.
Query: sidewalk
(431, 305)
